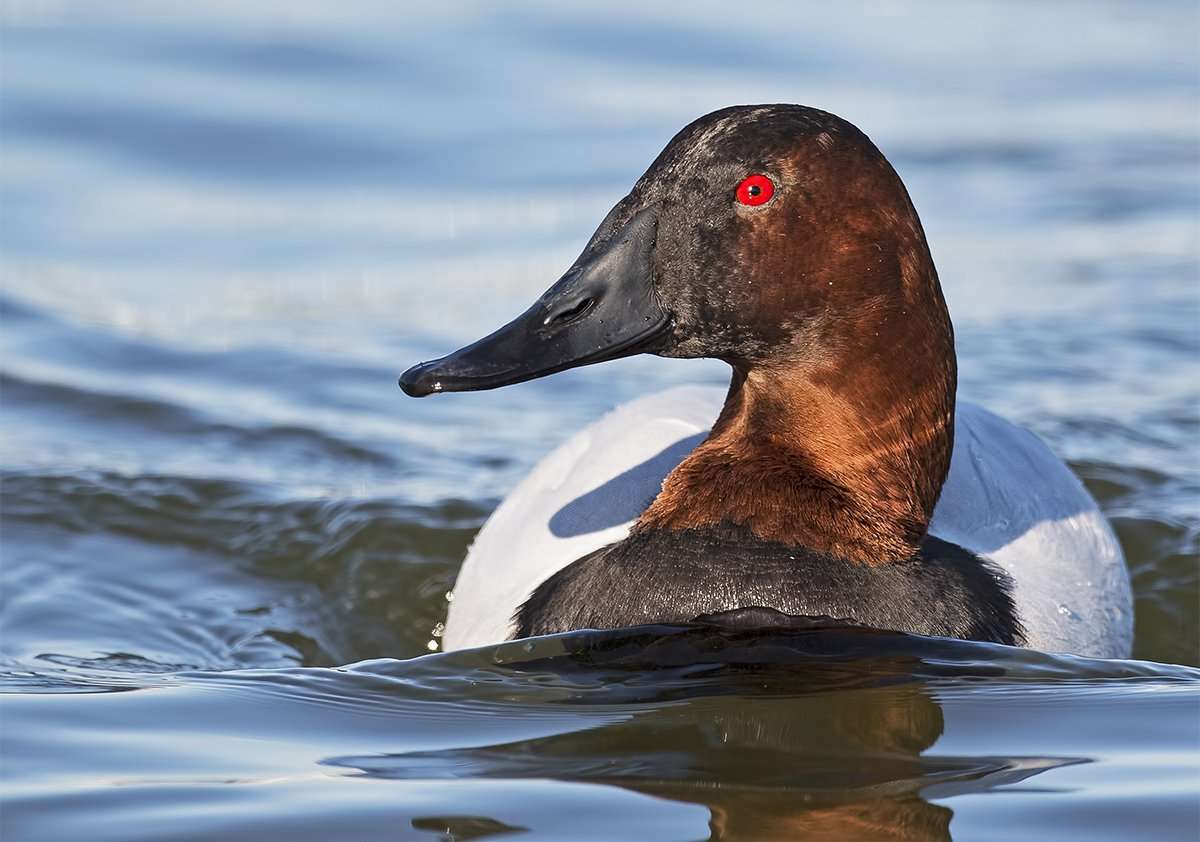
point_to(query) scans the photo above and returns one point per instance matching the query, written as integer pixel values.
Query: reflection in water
(462, 828)
(748, 724)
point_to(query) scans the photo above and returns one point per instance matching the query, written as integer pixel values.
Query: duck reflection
(800, 731)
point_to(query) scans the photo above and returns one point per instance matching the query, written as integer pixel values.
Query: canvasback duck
(833, 479)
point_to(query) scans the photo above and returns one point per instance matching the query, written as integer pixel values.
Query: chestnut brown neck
(844, 455)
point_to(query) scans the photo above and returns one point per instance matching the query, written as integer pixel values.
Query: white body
(1007, 498)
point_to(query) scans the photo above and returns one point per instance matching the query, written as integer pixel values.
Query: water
(227, 228)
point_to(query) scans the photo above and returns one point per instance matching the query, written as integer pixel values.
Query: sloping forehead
(745, 134)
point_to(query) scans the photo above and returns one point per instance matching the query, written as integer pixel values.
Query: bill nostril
(570, 314)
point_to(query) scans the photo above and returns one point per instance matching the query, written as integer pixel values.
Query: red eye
(755, 190)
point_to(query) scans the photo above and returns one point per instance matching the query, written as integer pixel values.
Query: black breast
(660, 576)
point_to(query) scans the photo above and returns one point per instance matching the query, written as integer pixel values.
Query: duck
(838, 476)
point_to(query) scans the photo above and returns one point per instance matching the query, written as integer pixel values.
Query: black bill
(603, 308)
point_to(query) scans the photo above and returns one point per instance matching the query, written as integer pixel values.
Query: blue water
(226, 228)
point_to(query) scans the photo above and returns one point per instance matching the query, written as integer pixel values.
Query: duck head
(776, 238)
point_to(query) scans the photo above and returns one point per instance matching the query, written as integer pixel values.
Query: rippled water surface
(227, 537)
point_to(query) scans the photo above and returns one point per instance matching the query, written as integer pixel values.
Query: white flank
(1007, 498)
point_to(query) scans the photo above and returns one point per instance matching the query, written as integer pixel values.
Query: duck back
(1008, 499)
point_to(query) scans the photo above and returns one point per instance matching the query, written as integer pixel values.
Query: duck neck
(807, 455)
